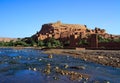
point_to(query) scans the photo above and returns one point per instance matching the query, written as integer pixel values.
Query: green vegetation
(18, 42)
(27, 42)
(41, 43)
(106, 40)
(52, 43)
(101, 39)
(83, 42)
(11, 43)
(67, 43)
(116, 40)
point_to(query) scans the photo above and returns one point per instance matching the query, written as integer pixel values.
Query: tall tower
(74, 40)
(94, 41)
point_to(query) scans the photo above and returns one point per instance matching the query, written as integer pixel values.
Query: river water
(28, 66)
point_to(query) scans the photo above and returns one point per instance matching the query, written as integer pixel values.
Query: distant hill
(7, 39)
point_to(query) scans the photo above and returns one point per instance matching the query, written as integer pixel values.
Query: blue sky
(23, 18)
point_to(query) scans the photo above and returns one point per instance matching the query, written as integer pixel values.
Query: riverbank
(104, 57)
(21, 47)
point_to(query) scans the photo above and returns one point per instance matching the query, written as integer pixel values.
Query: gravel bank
(104, 57)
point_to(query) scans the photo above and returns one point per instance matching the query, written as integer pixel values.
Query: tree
(49, 45)
(11, 43)
(40, 43)
(101, 39)
(52, 42)
(20, 43)
(67, 43)
(116, 40)
(30, 42)
(83, 42)
(1, 43)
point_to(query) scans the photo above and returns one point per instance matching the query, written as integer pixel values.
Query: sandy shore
(104, 57)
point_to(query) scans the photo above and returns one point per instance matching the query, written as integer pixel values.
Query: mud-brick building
(60, 31)
(71, 32)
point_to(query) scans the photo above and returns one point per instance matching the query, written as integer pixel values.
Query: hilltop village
(77, 35)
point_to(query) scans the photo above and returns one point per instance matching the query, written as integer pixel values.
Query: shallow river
(29, 66)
